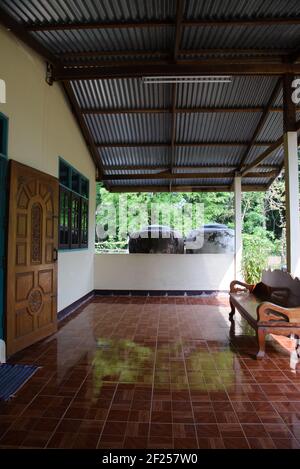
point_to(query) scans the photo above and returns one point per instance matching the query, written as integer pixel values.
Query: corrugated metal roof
(204, 182)
(139, 182)
(207, 156)
(126, 172)
(275, 158)
(130, 128)
(273, 127)
(279, 36)
(107, 39)
(204, 170)
(279, 100)
(135, 156)
(241, 9)
(256, 181)
(67, 11)
(121, 93)
(242, 91)
(232, 127)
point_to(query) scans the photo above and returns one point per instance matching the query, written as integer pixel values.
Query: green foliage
(111, 245)
(257, 248)
(218, 208)
(263, 220)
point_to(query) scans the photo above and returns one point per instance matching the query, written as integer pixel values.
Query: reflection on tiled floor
(154, 373)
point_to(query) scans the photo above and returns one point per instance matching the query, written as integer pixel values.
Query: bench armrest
(266, 310)
(246, 286)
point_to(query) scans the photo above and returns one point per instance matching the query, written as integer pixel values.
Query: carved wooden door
(32, 254)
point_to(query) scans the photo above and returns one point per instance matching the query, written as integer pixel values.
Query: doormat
(13, 377)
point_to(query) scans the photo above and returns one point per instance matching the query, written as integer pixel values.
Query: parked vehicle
(156, 239)
(213, 238)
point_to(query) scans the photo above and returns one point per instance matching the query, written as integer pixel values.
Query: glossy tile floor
(154, 373)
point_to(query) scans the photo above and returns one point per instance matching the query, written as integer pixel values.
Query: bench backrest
(279, 287)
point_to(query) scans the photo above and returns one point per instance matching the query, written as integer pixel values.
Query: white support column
(292, 203)
(238, 227)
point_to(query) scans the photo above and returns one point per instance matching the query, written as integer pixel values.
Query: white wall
(42, 128)
(163, 271)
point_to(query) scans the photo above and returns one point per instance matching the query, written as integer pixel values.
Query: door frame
(3, 248)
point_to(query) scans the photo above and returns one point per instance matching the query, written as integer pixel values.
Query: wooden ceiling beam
(263, 156)
(211, 68)
(166, 52)
(168, 175)
(146, 167)
(179, 144)
(190, 110)
(166, 60)
(185, 188)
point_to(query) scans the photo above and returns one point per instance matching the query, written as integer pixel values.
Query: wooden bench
(272, 306)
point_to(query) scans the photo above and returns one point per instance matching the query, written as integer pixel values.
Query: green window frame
(73, 208)
(3, 135)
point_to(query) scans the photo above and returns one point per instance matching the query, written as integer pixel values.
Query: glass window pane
(64, 218)
(64, 174)
(75, 181)
(84, 223)
(75, 220)
(73, 208)
(84, 187)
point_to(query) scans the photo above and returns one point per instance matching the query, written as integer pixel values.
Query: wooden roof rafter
(261, 122)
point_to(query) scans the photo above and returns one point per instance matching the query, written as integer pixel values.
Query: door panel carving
(32, 270)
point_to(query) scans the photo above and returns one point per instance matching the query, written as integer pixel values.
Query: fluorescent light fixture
(187, 79)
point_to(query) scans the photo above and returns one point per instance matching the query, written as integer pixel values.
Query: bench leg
(232, 330)
(295, 354)
(261, 338)
(231, 314)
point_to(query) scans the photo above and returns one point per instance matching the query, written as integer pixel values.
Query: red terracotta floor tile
(254, 430)
(210, 443)
(235, 443)
(207, 431)
(204, 417)
(36, 439)
(278, 430)
(228, 430)
(163, 442)
(185, 443)
(261, 443)
(286, 443)
(163, 375)
(161, 430)
(135, 442)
